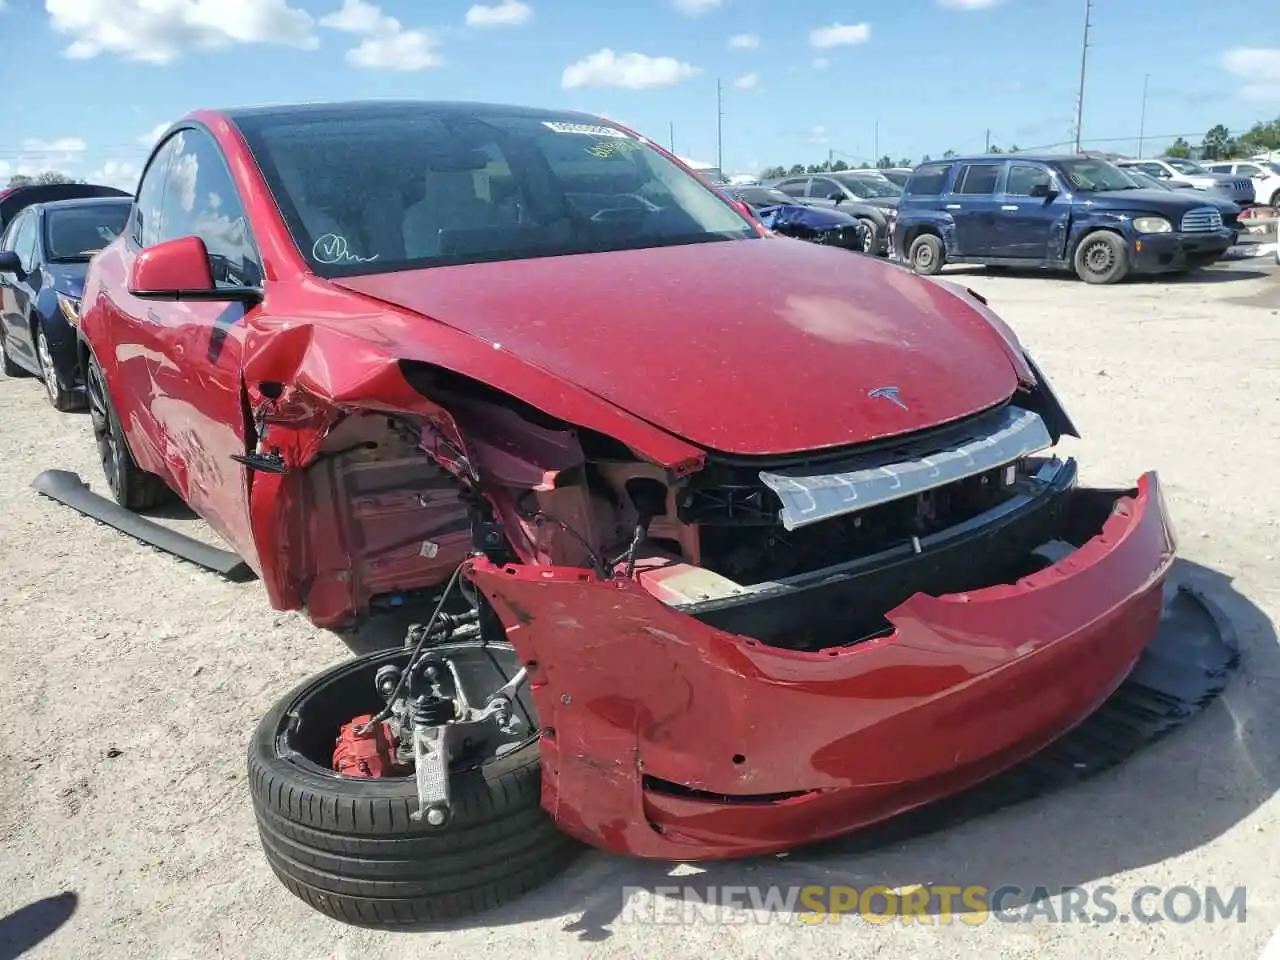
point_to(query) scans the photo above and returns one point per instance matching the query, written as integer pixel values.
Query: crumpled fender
(302, 376)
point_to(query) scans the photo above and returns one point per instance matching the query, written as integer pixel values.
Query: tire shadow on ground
(1169, 798)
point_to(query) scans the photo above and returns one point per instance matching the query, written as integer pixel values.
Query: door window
(147, 208)
(201, 200)
(1247, 169)
(824, 189)
(927, 180)
(24, 240)
(1023, 177)
(794, 188)
(978, 179)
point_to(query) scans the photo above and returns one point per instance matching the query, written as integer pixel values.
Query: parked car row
(1078, 213)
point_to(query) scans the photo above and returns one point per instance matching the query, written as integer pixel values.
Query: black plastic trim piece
(67, 488)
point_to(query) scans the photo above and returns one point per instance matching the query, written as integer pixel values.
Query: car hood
(751, 347)
(1163, 201)
(67, 278)
(882, 203)
(816, 217)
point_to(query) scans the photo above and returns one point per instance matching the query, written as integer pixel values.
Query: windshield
(77, 233)
(870, 186)
(1268, 166)
(1184, 166)
(1092, 176)
(1145, 181)
(367, 194)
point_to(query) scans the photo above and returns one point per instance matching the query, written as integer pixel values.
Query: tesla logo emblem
(887, 393)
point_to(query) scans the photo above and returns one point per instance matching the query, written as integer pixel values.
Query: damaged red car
(725, 542)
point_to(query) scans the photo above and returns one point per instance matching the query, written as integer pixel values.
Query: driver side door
(197, 403)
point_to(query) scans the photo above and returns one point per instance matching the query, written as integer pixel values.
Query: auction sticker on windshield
(588, 129)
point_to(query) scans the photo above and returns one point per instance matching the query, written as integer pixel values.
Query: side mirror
(1043, 190)
(10, 262)
(837, 197)
(179, 270)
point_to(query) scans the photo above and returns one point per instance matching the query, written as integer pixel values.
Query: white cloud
(158, 31)
(747, 81)
(36, 155)
(744, 41)
(818, 134)
(840, 35)
(149, 138)
(635, 71)
(387, 45)
(821, 63)
(508, 13)
(1258, 68)
(968, 4)
(693, 8)
(117, 173)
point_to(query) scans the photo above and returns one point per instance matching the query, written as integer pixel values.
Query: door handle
(1009, 206)
(953, 206)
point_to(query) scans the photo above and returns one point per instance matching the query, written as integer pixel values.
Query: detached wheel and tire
(348, 846)
(131, 486)
(1101, 257)
(926, 254)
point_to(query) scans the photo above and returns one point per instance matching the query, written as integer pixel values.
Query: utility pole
(987, 148)
(671, 135)
(1084, 55)
(875, 140)
(1142, 119)
(719, 130)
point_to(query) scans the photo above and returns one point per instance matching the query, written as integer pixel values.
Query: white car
(1264, 174)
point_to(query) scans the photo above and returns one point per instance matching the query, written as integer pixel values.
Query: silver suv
(1177, 170)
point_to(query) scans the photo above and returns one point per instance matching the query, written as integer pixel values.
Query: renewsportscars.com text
(933, 904)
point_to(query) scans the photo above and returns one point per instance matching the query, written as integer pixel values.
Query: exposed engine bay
(409, 507)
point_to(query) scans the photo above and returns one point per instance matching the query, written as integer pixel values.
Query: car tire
(1274, 202)
(131, 486)
(348, 846)
(10, 368)
(1101, 257)
(926, 255)
(871, 238)
(62, 398)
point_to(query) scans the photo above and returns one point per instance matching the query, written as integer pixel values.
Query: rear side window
(978, 179)
(794, 188)
(927, 180)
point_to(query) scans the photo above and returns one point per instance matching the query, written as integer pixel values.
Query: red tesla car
(730, 542)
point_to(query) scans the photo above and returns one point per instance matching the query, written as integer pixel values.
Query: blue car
(1077, 213)
(783, 214)
(44, 254)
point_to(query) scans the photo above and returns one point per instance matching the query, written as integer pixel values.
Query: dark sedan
(44, 254)
(791, 218)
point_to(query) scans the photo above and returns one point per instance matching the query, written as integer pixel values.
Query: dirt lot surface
(133, 681)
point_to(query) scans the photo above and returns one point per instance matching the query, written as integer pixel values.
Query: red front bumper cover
(666, 737)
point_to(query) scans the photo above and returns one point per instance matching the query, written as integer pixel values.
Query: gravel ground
(134, 681)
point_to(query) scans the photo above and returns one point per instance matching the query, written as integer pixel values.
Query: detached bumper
(1161, 252)
(666, 737)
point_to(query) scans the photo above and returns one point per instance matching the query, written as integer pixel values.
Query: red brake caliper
(370, 754)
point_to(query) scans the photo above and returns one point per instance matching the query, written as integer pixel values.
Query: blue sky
(87, 81)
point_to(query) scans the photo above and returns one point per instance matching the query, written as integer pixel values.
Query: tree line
(1217, 144)
(48, 176)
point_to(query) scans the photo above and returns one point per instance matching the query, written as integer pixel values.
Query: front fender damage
(372, 475)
